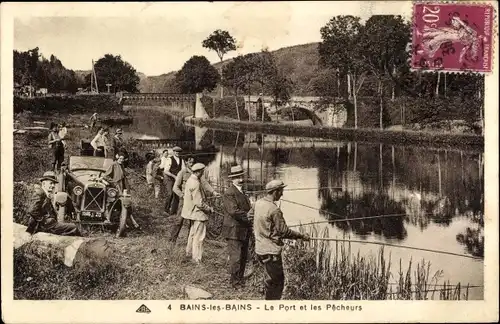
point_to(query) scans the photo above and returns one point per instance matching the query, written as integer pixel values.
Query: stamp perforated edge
(494, 35)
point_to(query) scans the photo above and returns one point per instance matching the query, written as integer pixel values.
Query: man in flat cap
(43, 216)
(196, 210)
(171, 167)
(270, 229)
(236, 228)
(179, 187)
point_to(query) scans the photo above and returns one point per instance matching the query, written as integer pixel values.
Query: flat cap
(49, 175)
(176, 149)
(274, 184)
(197, 167)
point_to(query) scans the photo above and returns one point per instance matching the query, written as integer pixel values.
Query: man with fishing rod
(270, 229)
(237, 226)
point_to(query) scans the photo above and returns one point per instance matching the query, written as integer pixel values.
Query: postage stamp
(452, 37)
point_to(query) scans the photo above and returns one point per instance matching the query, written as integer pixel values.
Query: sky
(158, 38)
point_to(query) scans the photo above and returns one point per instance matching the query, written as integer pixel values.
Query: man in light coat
(270, 229)
(196, 210)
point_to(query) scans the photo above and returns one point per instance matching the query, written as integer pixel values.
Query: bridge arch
(297, 113)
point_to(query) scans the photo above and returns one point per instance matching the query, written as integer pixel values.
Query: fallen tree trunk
(70, 250)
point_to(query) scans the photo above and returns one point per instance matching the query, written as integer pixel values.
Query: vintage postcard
(249, 162)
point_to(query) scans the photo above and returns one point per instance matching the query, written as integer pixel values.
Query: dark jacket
(41, 211)
(117, 176)
(236, 205)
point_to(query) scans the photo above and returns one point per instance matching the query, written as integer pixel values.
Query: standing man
(57, 147)
(195, 209)
(99, 143)
(270, 229)
(118, 143)
(178, 189)
(171, 168)
(43, 216)
(236, 227)
(93, 120)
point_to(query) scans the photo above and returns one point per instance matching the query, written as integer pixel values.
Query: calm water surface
(438, 193)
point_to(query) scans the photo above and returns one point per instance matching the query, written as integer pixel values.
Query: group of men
(264, 219)
(187, 197)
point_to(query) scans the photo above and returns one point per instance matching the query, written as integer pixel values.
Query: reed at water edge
(326, 270)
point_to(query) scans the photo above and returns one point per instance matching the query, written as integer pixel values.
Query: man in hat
(42, 213)
(270, 229)
(196, 210)
(171, 168)
(118, 143)
(93, 120)
(236, 227)
(179, 186)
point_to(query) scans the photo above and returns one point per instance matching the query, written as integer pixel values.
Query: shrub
(224, 107)
(69, 104)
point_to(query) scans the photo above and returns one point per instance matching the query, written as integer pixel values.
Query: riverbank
(145, 266)
(394, 137)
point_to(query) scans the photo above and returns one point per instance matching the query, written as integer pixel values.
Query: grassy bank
(146, 266)
(347, 134)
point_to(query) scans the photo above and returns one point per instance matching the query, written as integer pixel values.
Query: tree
(339, 50)
(197, 75)
(112, 69)
(383, 47)
(234, 76)
(221, 42)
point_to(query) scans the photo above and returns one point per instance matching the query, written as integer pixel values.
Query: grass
(145, 266)
(318, 270)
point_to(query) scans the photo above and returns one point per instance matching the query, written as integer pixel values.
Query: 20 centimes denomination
(453, 36)
(233, 162)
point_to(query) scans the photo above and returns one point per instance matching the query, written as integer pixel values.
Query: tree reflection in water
(365, 205)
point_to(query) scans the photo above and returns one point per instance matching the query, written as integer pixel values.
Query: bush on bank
(224, 107)
(69, 104)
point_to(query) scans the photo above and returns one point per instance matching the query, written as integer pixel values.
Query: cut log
(70, 250)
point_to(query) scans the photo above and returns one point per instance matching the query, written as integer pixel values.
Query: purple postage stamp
(452, 37)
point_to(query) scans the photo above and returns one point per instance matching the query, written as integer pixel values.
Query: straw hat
(49, 176)
(274, 184)
(197, 167)
(236, 171)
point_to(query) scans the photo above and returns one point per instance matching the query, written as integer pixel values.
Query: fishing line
(397, 246)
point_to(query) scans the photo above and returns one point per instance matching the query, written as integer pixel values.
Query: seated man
(43, 216)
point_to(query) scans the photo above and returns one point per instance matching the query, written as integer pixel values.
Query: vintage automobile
(93, 200)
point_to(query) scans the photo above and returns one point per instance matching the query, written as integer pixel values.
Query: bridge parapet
(172, 97)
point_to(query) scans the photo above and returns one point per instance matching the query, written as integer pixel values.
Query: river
(436, 195)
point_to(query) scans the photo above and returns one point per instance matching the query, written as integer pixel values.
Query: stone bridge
(301, 108)
(298, 108)
(185, 104)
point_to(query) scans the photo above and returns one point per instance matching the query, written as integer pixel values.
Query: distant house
(42, 92)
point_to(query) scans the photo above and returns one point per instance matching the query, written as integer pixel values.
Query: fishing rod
(394, 245)
(349, 219)
(297, 189)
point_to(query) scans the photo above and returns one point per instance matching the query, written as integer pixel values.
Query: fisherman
(178, 189)
(172, 166)
(118, 143)
(195, 209)
(42, 213)
(270, 229)
(236, 228)
(93, 120)
(55, 143)
(99, 143)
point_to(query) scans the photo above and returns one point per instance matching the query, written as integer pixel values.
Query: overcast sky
(159, 38)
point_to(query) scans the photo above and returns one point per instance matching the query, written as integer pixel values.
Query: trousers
(238, 254)
(197, 233)
(178, 222)
(171, 199)
(274, 281)
(66, 229)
